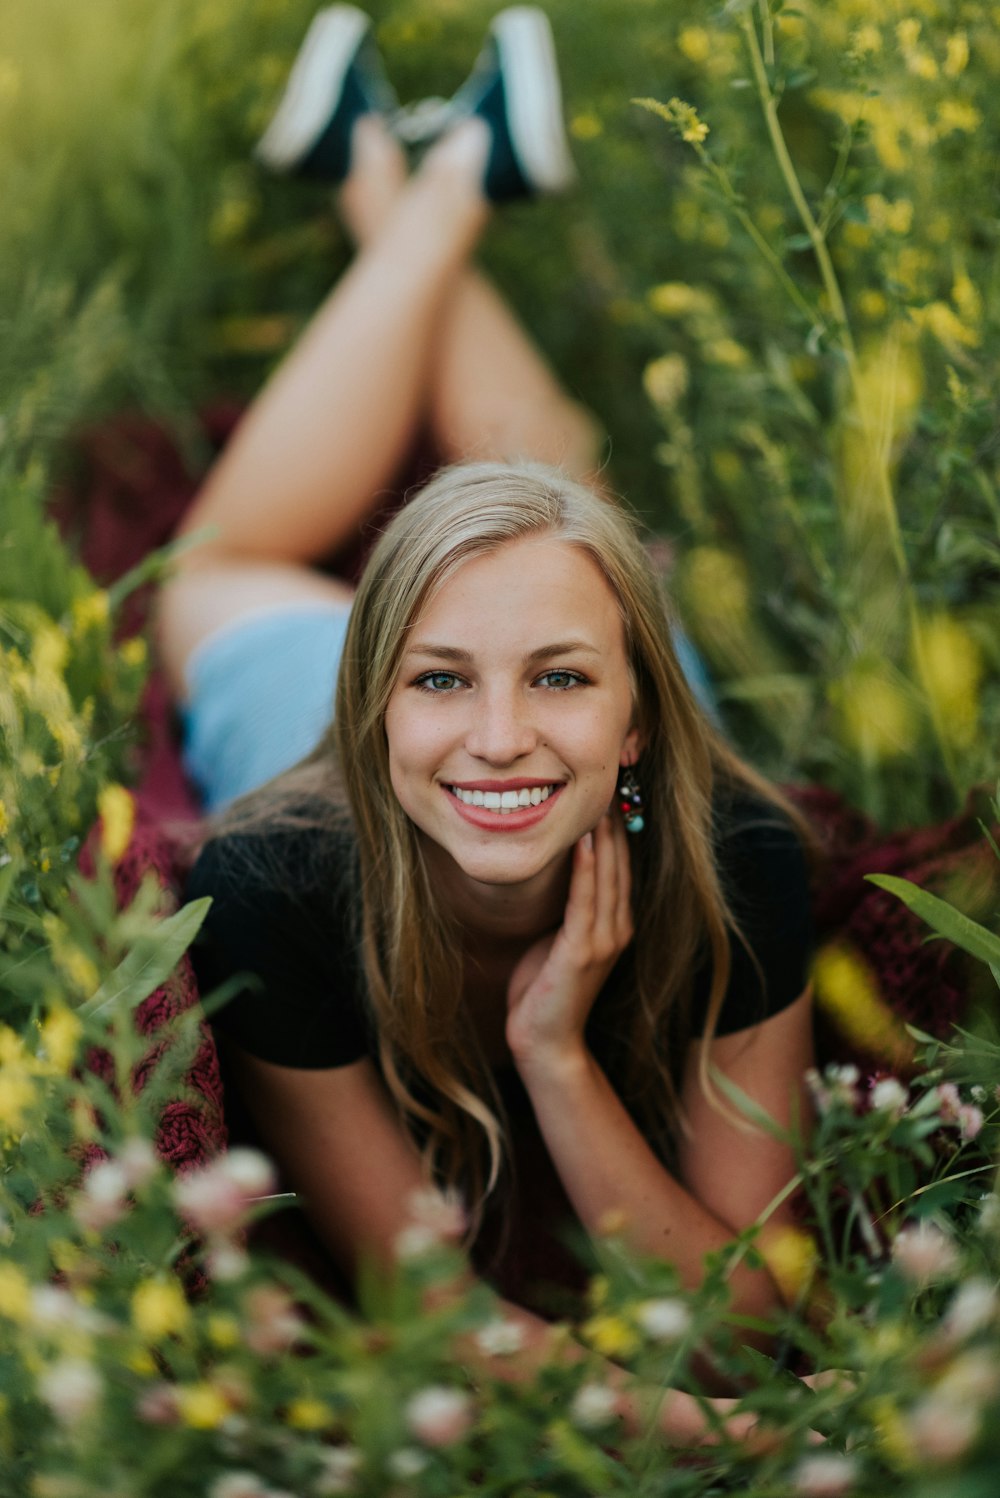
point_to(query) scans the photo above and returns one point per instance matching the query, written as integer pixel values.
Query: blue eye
(561, 681)
(438, 682)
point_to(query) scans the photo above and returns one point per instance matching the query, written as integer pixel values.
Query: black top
(285, 910)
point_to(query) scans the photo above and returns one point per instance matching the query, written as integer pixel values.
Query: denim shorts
(259, 696)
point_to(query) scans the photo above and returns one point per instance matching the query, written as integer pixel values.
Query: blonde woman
(520, 900)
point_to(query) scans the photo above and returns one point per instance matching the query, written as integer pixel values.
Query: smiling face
(512, 712)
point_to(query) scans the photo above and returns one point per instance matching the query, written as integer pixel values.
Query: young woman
(520, 901)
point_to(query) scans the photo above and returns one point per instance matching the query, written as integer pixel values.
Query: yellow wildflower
(159, 1309)
(223, 1331)
(867, 39)
(846, 991)
(90, 611)
(665, 380)
(892, 218)
(956, 114)
(49, 650)
(966, 298)
(117, 813)
(727, 465)
(66, 735)
(872, 304)
(947, 327)
(951, 669)
(17, 1093)
(14, 1293)
(611, 1336)
(202, 1406)
(678, 299)
(142, 1362)
(792, 1258)
(598, 1291)
(956, 54)
(891, 1432)
(4, 820)
(59, 1035)
(586, 126)
(133, 652)
(908, 33)
(727, 352)
(694, 43)
(876, 714)
(922, 64)
(308, 1414)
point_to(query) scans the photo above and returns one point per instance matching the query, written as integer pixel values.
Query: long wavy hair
(429, 1053)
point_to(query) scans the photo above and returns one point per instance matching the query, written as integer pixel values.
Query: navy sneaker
(337, 77)
(514, 87)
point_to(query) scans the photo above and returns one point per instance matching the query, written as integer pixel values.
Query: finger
(606, 891)
(578, 917)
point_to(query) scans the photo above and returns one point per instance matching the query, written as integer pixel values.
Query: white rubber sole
(313, 86)
(534, 98)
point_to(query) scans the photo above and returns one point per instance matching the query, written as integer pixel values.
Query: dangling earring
(630, 799)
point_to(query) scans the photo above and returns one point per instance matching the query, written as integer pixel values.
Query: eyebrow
(544, 652)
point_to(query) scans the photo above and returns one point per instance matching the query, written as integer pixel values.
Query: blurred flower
(439, 1416)
(138, 1162)
(202, 1406)
(71, 1388)
(239, 1485)
(939, 1430)
(223, 1330)
(925, 1254)
(792, 1258)
(973, 1378)
(955, 114)
(949, 1101)
(889, 1096)
(594, 1406)
(500, 1338)
(273, 1323)
(15, 1292)
(679, 299)
(951, 670)
(59, 1037)
(91, 611)
(611, 1336)
(436, 1217)
(825, 1475)
(215, 1197)
(665, 380)
(956, 54)
(306, 1413)
(889, 218)
(405, 1463)
(717, 586)
(116, 810)
(586, 126)
(159, 1309)
(970, 1120)
(946, 326)
(694, 43)
(727, 352)
(339, 1471)
(665, 1319)
(158, 1405)
(133, 652)
(846, 990)
(875, 714)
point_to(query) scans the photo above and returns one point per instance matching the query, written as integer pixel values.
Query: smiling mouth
(504, 801)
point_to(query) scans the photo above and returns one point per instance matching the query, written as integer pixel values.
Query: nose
(500, 730)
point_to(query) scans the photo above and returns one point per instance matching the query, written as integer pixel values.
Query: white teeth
(504, 801)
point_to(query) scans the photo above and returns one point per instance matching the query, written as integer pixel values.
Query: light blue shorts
(260, 695)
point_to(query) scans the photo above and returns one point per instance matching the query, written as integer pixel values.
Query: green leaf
(150, 962)
(750, 1110)
(943, 918)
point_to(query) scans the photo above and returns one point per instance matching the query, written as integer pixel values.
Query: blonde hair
(429, 1053)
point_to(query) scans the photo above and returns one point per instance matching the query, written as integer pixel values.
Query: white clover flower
(970, 1120)
(226, 1263)
(106, 1182)
(56, 1309)
(973, 1308)
(341, 1465)
(405, 1463)
(972, 1379)
(925, 1254)
(71, 1388)
(889, 1096)
(414, 1242)
(664, 1320)
(941, 1430)
(440, 1211)
(825, 1475)
(138, 1162)
(215, 1197)
(594, 1405)
(439, 1416)
(500, 1338)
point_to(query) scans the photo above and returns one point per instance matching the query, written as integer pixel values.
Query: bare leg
(334, 422)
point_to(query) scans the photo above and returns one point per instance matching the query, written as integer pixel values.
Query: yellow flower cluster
(846, 990)
(951, 671)
(159, 1309)
(18, 1089)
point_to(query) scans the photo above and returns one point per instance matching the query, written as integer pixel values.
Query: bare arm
(727, 1175)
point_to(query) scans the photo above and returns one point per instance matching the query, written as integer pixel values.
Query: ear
(631, 748)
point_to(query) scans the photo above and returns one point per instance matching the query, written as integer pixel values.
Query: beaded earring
(630, 799)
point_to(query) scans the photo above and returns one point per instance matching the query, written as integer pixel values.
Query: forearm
(607, 1167)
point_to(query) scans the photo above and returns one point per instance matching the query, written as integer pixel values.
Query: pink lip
(508, 821)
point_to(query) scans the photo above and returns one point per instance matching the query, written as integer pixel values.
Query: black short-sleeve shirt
(285, 911)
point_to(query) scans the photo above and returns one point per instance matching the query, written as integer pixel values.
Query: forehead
(540, 588)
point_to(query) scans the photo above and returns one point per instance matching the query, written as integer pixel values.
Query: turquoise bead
(634, 824)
